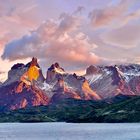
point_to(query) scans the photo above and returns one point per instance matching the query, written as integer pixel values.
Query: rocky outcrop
(89, 94)
(18, 95)
(116, 80)
(19, 69)
(0, 83)
(73, 86)
(54, 72)
(15, 73)
(62, 91)
(92, 70)
(18, 91)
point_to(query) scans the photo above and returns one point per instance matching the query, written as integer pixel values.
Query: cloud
(115, 15)
(136, 60)
(2, 72)
(131, 16)
(126, 37)
(108, 61)
(6, 8)
(80, 9)
(55, 41)
(68, 23)
(72, 50)
(69, 38)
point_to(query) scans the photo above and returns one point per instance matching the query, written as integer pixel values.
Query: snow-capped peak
(59, 70)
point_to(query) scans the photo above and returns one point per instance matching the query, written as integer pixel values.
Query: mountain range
(98, 90)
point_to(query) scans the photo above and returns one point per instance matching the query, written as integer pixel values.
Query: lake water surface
(69, 131)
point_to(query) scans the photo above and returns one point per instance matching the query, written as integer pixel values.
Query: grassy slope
(67, 110)
(78, 111)
(126, 111)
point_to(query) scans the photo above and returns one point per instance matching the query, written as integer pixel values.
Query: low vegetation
(71, 110)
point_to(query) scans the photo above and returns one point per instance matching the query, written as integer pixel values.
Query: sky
(74, 33)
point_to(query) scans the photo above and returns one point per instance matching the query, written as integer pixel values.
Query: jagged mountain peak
(56, 68)
(25, 72)
(21, 65)
(23, 86)
(33, 62)
(17, 66)
(100, 82)
(116, 74)
(116, 79)
(92, 69)
(54, 72)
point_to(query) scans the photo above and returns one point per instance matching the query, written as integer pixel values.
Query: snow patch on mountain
(93, 78)
(59, 70)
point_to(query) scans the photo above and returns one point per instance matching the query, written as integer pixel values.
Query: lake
(69, 131)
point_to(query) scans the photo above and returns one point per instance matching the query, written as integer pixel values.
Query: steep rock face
(60, 85)
(62, 91)
(89, 93)
(134, 85)
(1, 84)
(68, 85)
(82, 87)
(34, 70)
(54, 72)
(18, 70)
(102, 84)
(21, 89)
(17, 95)
(15, 73)
(115, 80)
(92, 70)
(73, 86)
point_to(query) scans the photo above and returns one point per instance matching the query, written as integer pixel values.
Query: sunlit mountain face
(76, 34)
(26, 86)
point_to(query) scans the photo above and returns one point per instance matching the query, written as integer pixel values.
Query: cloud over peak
(76, 32)
(55, 41)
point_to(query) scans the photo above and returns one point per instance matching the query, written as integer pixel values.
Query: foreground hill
(126, 111)
(78, 111)
(66, 110)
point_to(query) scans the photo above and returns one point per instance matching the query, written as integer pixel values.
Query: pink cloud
(126, 37)
(107, 15)
(55, 41)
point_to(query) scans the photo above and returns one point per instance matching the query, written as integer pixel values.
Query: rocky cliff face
(17, 95)
(115, 80)
(68, 85)
(19, 92)
(54, 72)
(92, 70)
(26, 85)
